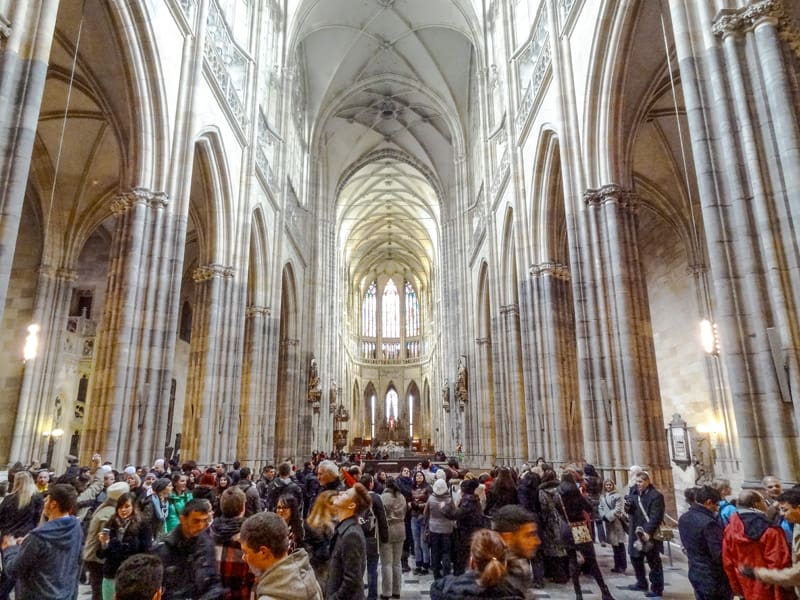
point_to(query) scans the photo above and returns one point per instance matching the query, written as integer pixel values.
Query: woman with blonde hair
(486, 577)
(19, 514)
(318, 533)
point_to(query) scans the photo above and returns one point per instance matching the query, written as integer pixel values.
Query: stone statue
(461, 383)
(314, 389)
(446, 394)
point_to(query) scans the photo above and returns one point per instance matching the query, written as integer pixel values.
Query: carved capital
(736, 21)
(550, 269)
(207, 272)
(5, 27)
(58, 273)
(138, 195)
(252, 311)
(611, 194)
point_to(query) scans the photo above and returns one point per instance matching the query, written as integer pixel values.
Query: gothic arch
(287, 409)
(548, 209)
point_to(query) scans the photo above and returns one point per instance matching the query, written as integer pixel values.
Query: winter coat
(46, 565)
(726, 509)
(252, 502)
(99, 518)
(788, 576)
(419, 498)
(550, 532)
(395, 507)
(124, 541)
(404, 484)
(497, 498)
(281, 486)
(439, 513)
(611, 512)
(190, 567)
(701, 535)
(528, 492)
(651, 504)
(176, 502)
(291, 578)
(234, 571)
(19, 521)
(460, 587)
(348, 562)
(750, 539)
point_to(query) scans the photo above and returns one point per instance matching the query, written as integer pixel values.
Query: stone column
(26, 36)
(484, 411)
(553, 425)
(36, 409)
(208, 397)
(739, 93)
(516, 415)
(620, 399)
(127, 408)
(253, 412)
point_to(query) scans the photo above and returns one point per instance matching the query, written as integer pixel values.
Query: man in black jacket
(349, 555)
(645, 505)
(187, 552)
(701, 535)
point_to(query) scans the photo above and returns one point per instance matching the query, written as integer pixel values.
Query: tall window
(391, 405)
(391, 310)
(411, 416)
(369, 310)
(412, 311)
(372, 416)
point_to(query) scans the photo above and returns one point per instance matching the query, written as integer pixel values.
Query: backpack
(368, 522)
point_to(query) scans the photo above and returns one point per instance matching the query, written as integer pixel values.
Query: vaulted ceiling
(387, 85)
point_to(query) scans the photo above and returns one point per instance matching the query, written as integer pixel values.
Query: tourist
(318, 533)
(349, 553)
(615, 523)
(645, 506)
(439, 514)
(420, 492)
(391, 548)
(486, 577)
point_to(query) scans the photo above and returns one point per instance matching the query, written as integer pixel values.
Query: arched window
(412, 311)
(391, 405)
(391, 310)
(411, 416)
(369, 310)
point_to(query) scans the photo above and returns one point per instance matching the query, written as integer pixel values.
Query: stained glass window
(391, 310)
(411, 416)
(369, 310)
(412, 311)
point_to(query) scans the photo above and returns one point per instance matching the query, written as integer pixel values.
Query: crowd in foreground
(325, 529)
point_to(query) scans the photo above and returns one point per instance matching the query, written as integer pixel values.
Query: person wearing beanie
(469, 518)
(439, 514)
(205, 489)
(92, 562)
(155, 507)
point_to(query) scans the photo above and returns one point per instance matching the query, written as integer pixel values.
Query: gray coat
(612, 513)
(395, 506)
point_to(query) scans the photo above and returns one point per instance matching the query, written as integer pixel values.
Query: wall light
(708, 337)
(31, 342)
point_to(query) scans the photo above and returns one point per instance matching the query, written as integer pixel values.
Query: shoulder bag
(573, 532)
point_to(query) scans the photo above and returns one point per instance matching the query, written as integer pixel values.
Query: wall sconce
(709, 337)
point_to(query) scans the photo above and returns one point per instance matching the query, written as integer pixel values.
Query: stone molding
(510, 309)
(550, 269)
(252, 311)
(483, 341)
(138, 195)
(696, 269)
(207, 272)
(5, 28)
(611, 193)
(732, 21)
(60, 273)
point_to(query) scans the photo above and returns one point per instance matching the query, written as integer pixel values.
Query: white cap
(106, 468)
(130, 470)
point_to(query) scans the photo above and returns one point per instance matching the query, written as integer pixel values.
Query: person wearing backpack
(373, 522)
(439, 515)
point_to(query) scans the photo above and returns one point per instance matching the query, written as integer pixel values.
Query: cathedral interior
(252, 229)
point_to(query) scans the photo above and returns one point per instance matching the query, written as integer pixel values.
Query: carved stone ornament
(731, 21)
(314, 388)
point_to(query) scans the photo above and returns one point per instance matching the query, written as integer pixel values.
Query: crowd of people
(331, 530)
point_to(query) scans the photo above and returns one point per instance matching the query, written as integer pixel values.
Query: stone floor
(677, 584)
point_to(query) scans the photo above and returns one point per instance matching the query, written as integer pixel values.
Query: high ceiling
(387, 79)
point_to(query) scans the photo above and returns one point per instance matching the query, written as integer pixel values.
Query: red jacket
(751, 540)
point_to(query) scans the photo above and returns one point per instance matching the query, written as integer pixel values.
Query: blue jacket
(46, 565)
(701, 535)
(726, 509)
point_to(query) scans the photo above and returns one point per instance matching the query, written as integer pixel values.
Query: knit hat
(468, 486)
(440, 474)
(115, 490)
(106, 468)
(440, 487)
(130, 470)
